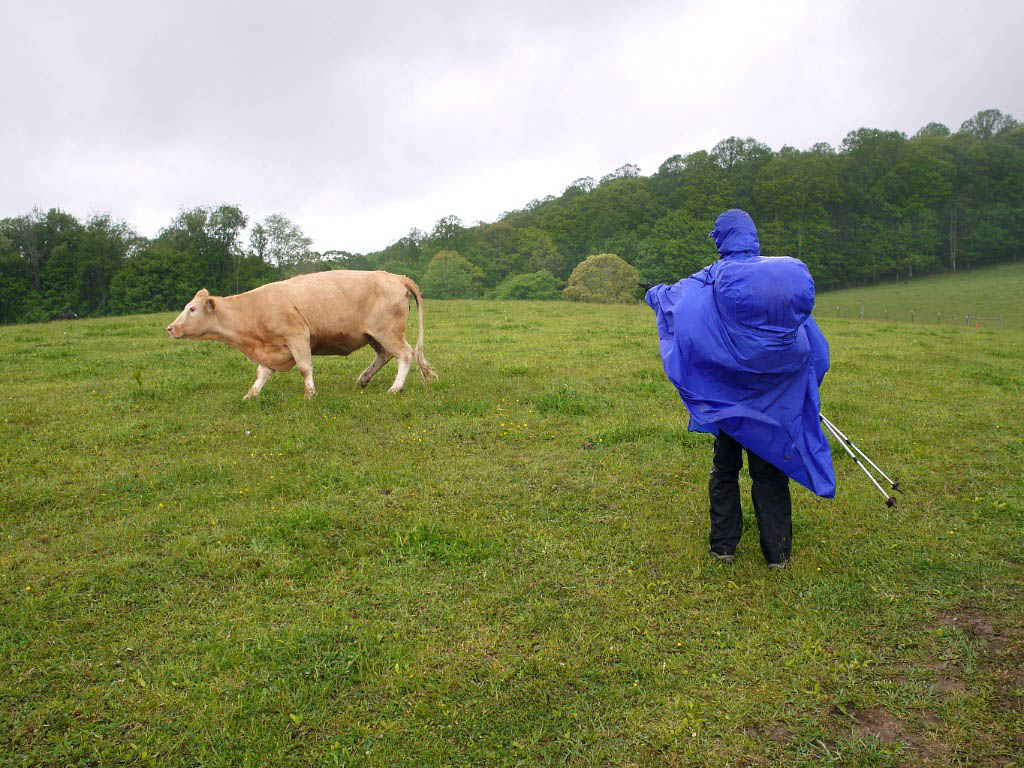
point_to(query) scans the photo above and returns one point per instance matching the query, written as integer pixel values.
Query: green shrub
(534, 285)
(605, 279)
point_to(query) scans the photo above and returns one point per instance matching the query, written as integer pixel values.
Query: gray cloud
(360, 122)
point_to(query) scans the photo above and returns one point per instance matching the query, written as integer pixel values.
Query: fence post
(861, 311)
(938, 318)
(1000, 322)
(967, 319)
(911, 315)
(887, 314)
(837, 310)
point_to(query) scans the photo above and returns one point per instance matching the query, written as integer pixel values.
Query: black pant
(773, 507)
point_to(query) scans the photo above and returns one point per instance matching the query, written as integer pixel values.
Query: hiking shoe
(777, 566)
(723, 558)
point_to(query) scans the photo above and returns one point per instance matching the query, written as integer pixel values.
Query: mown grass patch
(979, 298)
(507, 566)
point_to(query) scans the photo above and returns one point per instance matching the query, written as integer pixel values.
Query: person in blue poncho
(739, 343)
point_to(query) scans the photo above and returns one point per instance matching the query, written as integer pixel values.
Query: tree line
(881, 206)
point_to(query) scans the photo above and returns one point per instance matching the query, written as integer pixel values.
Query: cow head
(197, 319)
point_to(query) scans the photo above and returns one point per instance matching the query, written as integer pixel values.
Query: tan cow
(281, 325)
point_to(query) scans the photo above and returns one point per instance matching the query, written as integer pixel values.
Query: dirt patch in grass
(1001, 655)
(948, 677)
(969, 621)
(773, 740)
(950, 686)
(879, 723)
(773, 732)
(972, 620)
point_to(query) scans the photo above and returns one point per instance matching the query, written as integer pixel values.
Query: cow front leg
(263, 375)
(304, 362)
(382, 359)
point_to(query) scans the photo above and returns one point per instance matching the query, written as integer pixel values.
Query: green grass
(945, 299)
(507, 566)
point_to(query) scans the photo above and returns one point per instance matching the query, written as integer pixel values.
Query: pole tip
(891, 501)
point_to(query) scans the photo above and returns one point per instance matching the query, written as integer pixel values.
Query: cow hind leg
(263, 375)
(404, 364)
(405, 359)
(304, 362)
(382, 359)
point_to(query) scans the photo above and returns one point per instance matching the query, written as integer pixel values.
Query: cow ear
(210, 305)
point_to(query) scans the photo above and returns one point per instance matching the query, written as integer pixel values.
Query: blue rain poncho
(740, 344)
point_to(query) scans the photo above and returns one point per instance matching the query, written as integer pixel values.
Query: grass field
(945, 299)
(507, 566)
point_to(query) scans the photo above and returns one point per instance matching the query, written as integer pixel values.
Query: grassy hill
(507, 566)
(946, 299)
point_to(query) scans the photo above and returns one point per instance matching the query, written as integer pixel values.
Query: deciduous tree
(451, 276)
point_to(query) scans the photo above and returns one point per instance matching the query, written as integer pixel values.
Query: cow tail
(421, 360)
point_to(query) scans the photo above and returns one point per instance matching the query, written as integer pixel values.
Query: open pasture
(943, 299)
(507, 566)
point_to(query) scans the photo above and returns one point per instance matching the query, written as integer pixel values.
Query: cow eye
(191, 309)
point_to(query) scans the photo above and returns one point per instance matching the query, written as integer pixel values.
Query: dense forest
(878, 207)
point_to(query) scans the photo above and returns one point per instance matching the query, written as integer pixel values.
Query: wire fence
(914, 316)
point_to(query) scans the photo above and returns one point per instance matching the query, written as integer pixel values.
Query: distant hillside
(946, 299)
(882, 205)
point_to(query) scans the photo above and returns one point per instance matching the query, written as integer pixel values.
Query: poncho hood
(739, 343)
(735, 234)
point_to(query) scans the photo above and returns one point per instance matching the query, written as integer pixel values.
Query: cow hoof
(308, 394)
(394, 391)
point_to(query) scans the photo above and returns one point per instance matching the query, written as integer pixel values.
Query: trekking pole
(895, 485)
(890, 501)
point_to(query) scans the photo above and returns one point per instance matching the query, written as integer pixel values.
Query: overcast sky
(361, 121)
